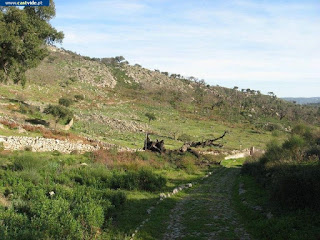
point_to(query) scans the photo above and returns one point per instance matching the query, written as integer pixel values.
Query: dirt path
(206, 213)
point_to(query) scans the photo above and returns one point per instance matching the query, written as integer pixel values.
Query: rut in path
(207, 212)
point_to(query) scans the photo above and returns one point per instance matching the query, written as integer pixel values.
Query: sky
(266, 45)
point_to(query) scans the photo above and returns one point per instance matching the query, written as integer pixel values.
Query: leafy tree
(24, 34)
(119, 59)
(59, 112)
(150, 116)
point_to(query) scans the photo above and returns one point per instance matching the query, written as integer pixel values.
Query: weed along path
(207, 212)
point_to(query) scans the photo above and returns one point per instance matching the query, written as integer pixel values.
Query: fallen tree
(206, 143)
(158, 146)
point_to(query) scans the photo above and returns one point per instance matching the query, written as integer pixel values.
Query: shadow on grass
(135, 212)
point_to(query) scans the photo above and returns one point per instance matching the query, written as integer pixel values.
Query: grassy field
(83, 196)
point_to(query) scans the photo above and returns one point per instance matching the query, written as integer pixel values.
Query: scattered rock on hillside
(117, 124)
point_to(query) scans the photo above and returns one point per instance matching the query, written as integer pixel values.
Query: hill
(109, 100)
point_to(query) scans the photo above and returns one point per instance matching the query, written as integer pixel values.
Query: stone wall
(39, 144)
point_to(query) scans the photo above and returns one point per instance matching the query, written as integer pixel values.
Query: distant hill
(311, 100)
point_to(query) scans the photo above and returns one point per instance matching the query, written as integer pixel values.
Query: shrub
(27, 161)
(297, 187)
(143, 180)
(293, 143)
(59, 112)
(65, 102)
(314, 151)
(52, 219)
(31, 175)
(291, 171)
(300, 129)
(273, 126)
(150, 182)
(79, 97)
(150, 116)
(27, 109)
(276, 133)
(188, 163)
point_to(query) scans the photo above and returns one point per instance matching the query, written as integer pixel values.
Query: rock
(162, 195)
(269, 215)
(52, 193)
(257, 208)
(39, 144)
(21, 130)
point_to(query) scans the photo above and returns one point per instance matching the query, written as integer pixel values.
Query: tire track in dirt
(207, 212)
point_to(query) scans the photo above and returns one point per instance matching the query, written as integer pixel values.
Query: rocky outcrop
(153, 79)
(39, 144)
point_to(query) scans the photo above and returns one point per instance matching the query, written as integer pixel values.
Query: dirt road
(207, 212)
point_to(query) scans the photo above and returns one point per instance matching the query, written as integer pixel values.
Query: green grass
(26, 178)
(230, 163)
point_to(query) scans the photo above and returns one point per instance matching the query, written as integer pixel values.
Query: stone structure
(39, 144)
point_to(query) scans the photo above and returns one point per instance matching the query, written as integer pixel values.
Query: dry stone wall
(39, 144)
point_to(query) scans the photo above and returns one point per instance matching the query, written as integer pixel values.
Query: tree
(150, 116)
(24, 35)
(65, 101)
(59, 112)
(120, 59)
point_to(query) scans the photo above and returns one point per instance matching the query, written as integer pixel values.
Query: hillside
(110, 99)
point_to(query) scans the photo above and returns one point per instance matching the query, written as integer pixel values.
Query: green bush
(80, 206)
(149, 181)
(294, 142)
(65, 102)
(79, 97)
(59, 112)
(53, 219)
(27, 161)
(297, 187)
(291, 171)
(143, 180)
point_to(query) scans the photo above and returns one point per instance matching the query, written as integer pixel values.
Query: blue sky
(263, 45)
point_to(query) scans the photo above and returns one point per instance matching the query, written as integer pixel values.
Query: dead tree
(154, 146)
(158, 146)
(207, 143)
(187, 147)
